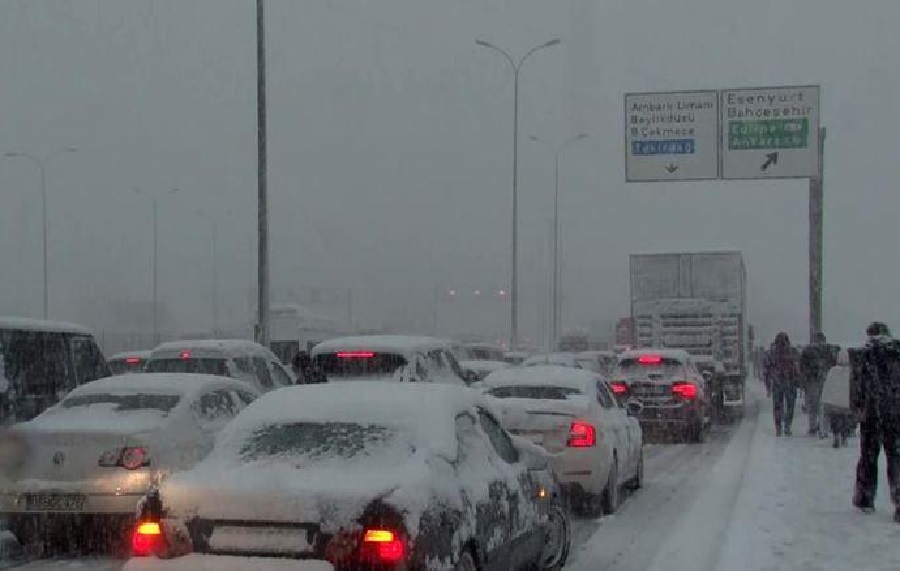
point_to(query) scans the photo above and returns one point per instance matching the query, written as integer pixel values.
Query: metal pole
(42, 167)
(514, 285)
(262, 208)
(155, 273)
(816, 250)
(215, 279)
(554, 333)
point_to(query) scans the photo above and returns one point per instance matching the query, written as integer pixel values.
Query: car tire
(696, 434)
(560, 526)
(638, 482)
(466, 562)
(611, 493)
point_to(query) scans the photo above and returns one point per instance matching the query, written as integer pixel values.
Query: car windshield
(206, 366)
(664, 368)
(359, 364)
(547, 392)
(325, 443)
(119, 402)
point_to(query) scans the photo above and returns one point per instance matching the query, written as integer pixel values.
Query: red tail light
(582, 435)
(132, 360)
(383, 546)
(147, 539)
(355, 355)
(130, 458)
(619, 387)
(684, 390)
(650, 359)
(185, 354)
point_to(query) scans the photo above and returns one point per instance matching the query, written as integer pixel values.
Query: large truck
(696, 301)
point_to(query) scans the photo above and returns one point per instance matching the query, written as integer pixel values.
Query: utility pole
(262, 208)
(816, 248)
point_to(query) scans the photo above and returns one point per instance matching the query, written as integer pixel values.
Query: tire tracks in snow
(674, 479)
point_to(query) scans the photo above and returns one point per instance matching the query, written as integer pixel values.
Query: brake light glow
(130, 458)
(384, 546)
(146, 539)
(185, 354)
(132, 360)
(619, 387)
(684, 390)
(650, 359)
(355, 355)
(582, 434)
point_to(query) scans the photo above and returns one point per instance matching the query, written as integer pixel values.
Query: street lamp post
(514, 281)
(557, 274)
(41, 163)
(154, 200)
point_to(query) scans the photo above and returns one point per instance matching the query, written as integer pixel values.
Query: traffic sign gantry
(770, 132)
(671, 136)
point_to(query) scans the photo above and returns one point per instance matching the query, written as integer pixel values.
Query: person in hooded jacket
(875, 396)
(783, 373)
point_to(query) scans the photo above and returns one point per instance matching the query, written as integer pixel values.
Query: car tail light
(619, 387)
(355, 355)
(147, 539)
(684, 390)
(650, 359)
(185, 354)
(130, 458)
(132, 360)
(382, 546)
(582, 435)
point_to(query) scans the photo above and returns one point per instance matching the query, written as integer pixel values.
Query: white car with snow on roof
(388, 357)
(236, 358)
(84, 464)
(595, 446)
(671, 388)
(376, 475)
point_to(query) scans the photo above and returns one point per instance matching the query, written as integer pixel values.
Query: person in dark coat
(782, 372)
(875, 396)
(815, 362)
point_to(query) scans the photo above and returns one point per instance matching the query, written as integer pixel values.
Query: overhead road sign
(671, 136)
(770, 132)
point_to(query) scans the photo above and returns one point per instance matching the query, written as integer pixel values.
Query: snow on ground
(746, 503)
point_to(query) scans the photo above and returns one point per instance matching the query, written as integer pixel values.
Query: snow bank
(198, 562)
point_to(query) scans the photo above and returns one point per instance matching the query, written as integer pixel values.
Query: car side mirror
(531, 455)
(634, 407)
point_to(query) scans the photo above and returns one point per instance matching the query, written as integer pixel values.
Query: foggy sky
(390, 152)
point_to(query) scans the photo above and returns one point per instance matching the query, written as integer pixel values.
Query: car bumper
(69, 499)
(652, 416)
(580, 467)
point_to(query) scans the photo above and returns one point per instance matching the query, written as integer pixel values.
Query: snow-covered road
(742, 501)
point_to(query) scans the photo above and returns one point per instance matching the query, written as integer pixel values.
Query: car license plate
(54, 502)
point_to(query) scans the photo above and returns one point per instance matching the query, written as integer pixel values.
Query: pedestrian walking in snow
(836, 401)
(783, 373)
(815, 362)
(875, 396)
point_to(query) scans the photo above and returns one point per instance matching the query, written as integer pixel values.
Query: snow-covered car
(367, 476)
(601, 362)
(128, 362)
(595, 446)
(85, 463)
(672, 390)
(557, 359)
(485, 352)
(388, 357)
(236, 358)
(515, 357)
(476, 371)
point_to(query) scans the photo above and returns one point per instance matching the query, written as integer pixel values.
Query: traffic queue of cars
(400, 458)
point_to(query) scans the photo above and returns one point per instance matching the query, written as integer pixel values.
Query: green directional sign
(768, 134)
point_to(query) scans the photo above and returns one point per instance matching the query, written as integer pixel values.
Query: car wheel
(559, 540)
(638, 482)
(696, 433)
(611, 493)
(466, 562)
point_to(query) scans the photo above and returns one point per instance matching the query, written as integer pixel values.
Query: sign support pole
(816, 209)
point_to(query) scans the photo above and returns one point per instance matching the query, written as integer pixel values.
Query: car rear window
(124, 402)
(665, 367)
(534, 392)
(349, 365)
(317, 442)
(192, 365)
(121, 366)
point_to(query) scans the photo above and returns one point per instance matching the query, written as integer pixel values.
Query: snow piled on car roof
(541, 375)
(679, 354)
(126, 354)
(402, 344)
(153, 383)
(227, 345)
(24, 324)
